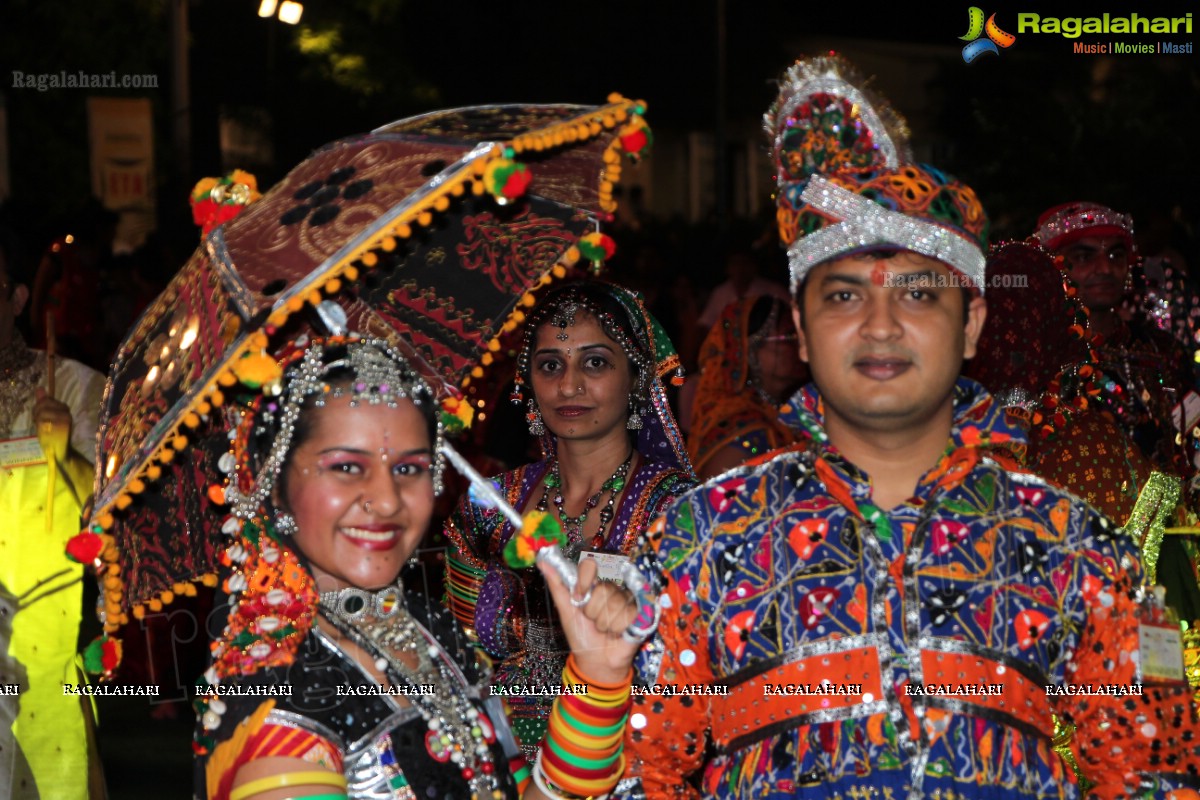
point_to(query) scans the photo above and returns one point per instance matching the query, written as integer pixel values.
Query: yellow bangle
(315, 777)
(571, 670)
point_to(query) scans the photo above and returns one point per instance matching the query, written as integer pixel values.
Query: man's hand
(52, 421)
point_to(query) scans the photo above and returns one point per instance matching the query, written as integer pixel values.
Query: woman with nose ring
(590, 373)
(328, 680)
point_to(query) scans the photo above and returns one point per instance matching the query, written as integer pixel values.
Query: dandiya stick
(485, 494)
(51, 460)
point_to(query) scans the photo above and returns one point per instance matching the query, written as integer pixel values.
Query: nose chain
(573, 526)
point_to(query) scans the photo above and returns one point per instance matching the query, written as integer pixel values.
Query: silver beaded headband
(380, 375)
(1080, 217)
(865, 224)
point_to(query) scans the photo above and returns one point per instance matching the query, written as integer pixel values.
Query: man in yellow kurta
(39, 512)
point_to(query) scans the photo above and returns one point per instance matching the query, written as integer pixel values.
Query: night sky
(1029, 117)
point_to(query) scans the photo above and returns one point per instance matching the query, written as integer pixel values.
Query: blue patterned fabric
(785, 575)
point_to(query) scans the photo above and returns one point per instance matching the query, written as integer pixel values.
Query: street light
(289, 11)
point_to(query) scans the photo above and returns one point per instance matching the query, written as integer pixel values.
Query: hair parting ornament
(375, 374)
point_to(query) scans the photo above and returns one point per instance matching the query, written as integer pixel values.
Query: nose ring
(366, 504)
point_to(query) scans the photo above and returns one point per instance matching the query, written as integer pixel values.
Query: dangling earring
(635, 417)
(285, 524)
(536, 426)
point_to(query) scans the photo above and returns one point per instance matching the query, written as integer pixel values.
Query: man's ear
(20, 296)
(976, 316)
(800, 338)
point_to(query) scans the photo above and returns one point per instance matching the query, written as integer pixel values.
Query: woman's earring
(635, 417)
(536, 426)
(285, 524)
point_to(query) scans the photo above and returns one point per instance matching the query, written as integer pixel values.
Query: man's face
(12, 300)
(1098, 265)
(885, 338)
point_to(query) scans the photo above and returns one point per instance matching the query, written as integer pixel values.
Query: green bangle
(463, 566)
(575, 761)
(591, 730)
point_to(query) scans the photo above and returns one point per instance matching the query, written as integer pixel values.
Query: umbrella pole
(51, 461)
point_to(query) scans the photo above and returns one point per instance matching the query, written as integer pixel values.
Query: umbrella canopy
(419, 231)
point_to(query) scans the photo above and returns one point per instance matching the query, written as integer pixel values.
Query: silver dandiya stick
(537, 537)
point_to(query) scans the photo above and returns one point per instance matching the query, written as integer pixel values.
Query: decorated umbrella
(430, 233)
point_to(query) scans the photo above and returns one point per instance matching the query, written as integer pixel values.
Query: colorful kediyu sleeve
(1130, 739)
(667, 734)
(479, 588)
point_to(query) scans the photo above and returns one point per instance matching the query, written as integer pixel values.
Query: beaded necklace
(457, 731)
(17, 379)
(573, 526)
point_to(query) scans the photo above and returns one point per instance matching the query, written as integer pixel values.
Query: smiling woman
(328, 680)
(336, 483)
(361, 490)
(593, 357)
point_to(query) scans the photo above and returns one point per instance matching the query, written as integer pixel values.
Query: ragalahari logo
(976, 27)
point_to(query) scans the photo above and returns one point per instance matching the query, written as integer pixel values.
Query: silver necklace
(457, 731)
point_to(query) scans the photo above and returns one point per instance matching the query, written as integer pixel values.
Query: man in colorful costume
(48, 445)
(880, 615)
(1148, 371)
(1146, 378)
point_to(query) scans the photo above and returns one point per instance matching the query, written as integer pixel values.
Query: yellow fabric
(225, 757)
(49, 727)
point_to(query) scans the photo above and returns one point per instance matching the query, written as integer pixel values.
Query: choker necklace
(573, 526)
(352, 603)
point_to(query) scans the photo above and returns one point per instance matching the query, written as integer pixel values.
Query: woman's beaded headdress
(370, 372)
